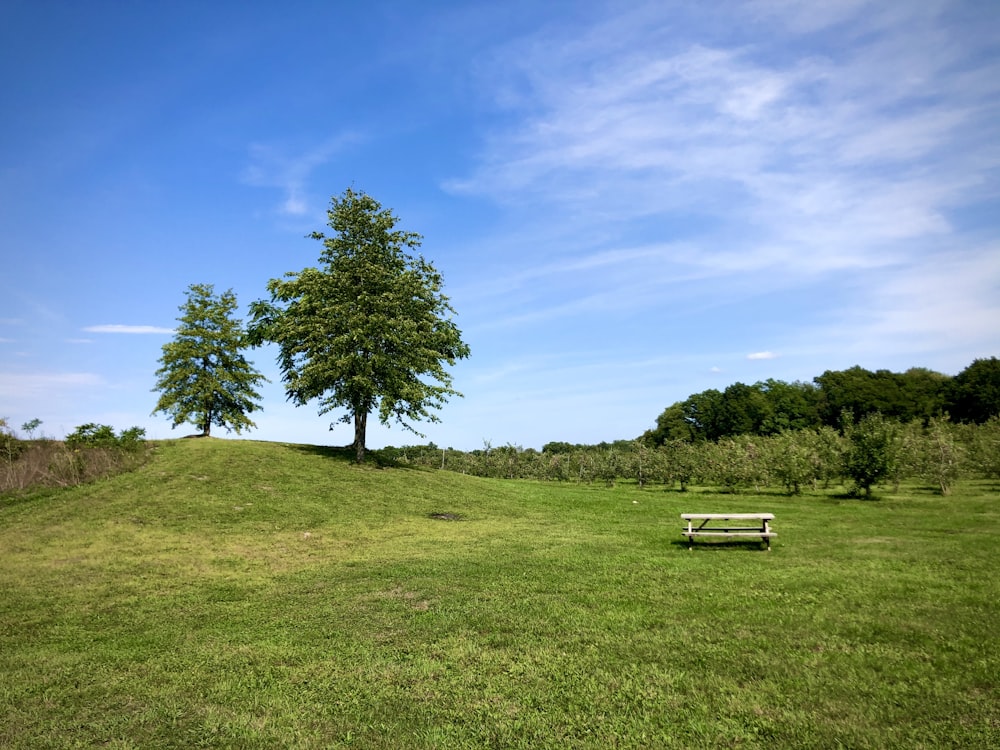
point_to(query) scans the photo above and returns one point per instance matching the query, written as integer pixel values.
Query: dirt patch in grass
(446, 516)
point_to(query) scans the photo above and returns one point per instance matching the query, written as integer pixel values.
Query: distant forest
(837, 396)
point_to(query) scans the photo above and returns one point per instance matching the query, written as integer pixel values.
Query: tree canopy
(204, 379)
(975, 392)
(771, 406)
(369, 329)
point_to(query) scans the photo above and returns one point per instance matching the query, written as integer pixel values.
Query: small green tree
(984, 447)
(942, 455)
(10, 446)
(793, 459)
(362, 332)
(872, 451)
(682, 462)
(204, 379)
(30, 426)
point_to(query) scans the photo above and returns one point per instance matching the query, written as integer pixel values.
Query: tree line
(772, 406)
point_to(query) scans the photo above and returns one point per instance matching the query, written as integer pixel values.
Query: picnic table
(729, 525)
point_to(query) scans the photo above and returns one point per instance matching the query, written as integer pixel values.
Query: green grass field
(256, 595)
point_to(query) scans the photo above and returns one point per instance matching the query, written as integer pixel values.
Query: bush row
(873, 451)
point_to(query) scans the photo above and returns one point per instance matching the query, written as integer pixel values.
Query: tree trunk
(360, 426)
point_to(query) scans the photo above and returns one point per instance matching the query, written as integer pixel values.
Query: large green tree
(204, 379)
(369, 329)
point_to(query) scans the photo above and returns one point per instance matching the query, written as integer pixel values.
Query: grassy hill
(244, 595)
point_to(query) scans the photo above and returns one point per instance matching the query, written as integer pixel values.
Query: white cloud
(816, 151)
(950, 302)
(840, 150)
(116, 328)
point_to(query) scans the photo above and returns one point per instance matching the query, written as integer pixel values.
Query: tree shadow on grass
(724, 491)
(347, 455)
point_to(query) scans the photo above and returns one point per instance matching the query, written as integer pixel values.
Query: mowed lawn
(237, 594)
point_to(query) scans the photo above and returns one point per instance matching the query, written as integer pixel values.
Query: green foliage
(941, 455)
(830, 449)
(984, 448)
(10, 446)
(204, 379)
(975, 392)
(735, 463)
(363, 331)
(93, 435)
(795, 459)
(772, 406)
(30, 426)
(916, 394)
(764, 408)
(681, 462)
(558, 447)
(872, 451)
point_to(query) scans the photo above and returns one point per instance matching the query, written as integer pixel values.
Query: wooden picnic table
(729, 525)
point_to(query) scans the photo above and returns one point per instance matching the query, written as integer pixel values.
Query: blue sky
(629, 202)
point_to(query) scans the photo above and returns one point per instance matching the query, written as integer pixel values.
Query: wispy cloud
(793, 147)
(947, 303)
(851, 143)
(129, 329)
(20, 386)
(762, 355)
(273, 167)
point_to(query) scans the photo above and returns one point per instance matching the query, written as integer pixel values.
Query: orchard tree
(367, 331)
(204, 379)
(872, 450)
(941, 455)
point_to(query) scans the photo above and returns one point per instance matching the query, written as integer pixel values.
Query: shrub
(92, 435)
(10, 446)
(872, 451)
(794, 459)
(90, 452)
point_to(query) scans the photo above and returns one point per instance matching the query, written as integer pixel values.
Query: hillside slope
(236, 594)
